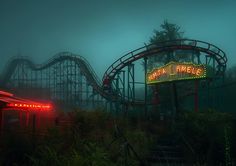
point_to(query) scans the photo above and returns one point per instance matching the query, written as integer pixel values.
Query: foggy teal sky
(104, 30)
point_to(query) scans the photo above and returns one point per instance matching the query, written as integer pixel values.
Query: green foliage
(169, 31)
(204, 132)
(94, 140)
(91, 140)
(92, 125)
(47, 156)
(91, 154)
(96, 156)
(227, 147)
(140, 140)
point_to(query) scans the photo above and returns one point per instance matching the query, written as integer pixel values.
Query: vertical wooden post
(34, 123)
(196, 102)
(175, 95)
(20, 119)
(38, 118)
(145, 90)
(27, 119)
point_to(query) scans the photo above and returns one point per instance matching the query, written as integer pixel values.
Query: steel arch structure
(66, 78)
(182, 44)
(119, 79)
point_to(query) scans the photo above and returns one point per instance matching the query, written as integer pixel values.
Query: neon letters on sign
(30, 106)
(176, 71)
(14, 103)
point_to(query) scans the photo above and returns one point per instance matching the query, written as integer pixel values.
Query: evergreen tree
(168, 34)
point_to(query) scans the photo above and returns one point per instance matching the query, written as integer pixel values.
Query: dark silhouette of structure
(69, 80)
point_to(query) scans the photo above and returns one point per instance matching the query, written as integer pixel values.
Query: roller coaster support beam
(87, 94)
(93, 102)
(120, 89)
(20, 118)
(145, 90)
(117, 90)
(131, 80)
(122, 79)
(80, 86)
(196, 103)
(175, 98)
(27, 119)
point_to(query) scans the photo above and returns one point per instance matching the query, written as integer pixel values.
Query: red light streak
(6, 93)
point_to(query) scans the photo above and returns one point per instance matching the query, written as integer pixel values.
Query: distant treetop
(169, 31)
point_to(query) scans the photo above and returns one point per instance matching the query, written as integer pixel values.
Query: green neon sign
(175, 71)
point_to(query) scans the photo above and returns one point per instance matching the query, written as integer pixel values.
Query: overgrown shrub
(205, 134)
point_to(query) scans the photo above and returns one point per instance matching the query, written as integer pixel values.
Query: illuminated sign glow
(14, 103)
(176, 71)
(42, 107)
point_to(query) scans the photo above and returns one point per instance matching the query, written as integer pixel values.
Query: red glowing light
(31, 107)
(15, 103)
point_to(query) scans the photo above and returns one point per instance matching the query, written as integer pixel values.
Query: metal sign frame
(176, 71)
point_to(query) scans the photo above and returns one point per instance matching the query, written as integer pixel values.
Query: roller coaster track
(144, 52)
(182, 44)
(85, 67)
